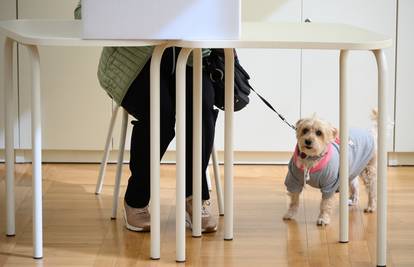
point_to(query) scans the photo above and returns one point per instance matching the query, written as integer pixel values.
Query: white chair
(120, 159)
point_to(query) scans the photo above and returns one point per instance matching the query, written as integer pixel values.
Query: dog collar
(303, 155)
(321, 160)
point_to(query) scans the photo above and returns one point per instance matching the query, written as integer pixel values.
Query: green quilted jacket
(119, 66)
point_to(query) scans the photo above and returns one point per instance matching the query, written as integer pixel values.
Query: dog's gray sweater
(361, 147)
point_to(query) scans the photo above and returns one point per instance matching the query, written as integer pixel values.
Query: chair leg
(104, 161)
(119, 164)
(208, 178)
(218, 181)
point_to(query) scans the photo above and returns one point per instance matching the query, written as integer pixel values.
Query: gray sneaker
(137, 219)
(208, 221)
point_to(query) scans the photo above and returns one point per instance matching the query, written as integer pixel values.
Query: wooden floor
(78, 231)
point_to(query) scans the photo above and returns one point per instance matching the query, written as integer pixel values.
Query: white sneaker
(208, 221)
(137, 219)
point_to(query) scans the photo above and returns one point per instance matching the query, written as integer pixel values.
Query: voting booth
(161, 19)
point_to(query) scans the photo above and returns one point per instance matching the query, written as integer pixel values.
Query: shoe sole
(133, 228)
(189, 224)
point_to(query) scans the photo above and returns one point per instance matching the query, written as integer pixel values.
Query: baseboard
(240, 157)
(87, 156)
(401, 159)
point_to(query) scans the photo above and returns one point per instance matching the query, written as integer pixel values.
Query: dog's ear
(298, 123)
(374, 114)
(334, 133)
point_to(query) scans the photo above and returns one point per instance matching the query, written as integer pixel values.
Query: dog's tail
(374, 119)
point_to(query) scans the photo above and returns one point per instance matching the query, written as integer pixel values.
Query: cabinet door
(320, 69)
(404, 127)
(8, 11)
(75, 110)
(276, 75)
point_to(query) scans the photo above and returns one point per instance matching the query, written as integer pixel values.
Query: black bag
(214, 65)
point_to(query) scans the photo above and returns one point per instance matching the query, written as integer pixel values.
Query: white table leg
(9, 137)
(228, 140)
(382, 159)
(119, 164)
(197, 139)
(343, 127)
(155, 149)
(180, 148)
(37, 154)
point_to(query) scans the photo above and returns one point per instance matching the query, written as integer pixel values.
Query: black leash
(272, 108)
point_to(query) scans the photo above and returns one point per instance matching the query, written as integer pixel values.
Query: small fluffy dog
(316, 162)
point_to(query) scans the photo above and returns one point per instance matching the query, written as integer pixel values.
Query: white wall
(276, 75)
(300, 83)
(320, 75)
(75, 110)
(8, 11)
(404, 126)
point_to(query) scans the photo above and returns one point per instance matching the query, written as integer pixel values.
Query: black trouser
(136, 102)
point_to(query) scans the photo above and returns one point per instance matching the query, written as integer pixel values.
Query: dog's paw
(289, 214)
(370, 209)
(323, 220)
(352, 201)
(371, 206)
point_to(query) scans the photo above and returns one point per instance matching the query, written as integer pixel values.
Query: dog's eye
(305, 131)
(318, 132)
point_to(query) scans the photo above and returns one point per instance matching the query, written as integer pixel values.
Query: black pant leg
(137, 103)
(208, 130)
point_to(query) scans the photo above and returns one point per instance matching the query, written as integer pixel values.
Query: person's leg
(208, 130)
(136, 102)
(209, 116)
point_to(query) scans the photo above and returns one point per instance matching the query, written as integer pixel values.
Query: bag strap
(238, 67)
(274, 110)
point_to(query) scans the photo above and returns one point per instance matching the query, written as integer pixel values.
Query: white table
(260, 35)
(285, 36)
(35, 33)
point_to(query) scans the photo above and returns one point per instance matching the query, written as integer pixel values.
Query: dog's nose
(308, 142)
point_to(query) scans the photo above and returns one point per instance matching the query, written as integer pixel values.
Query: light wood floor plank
(78, 231)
